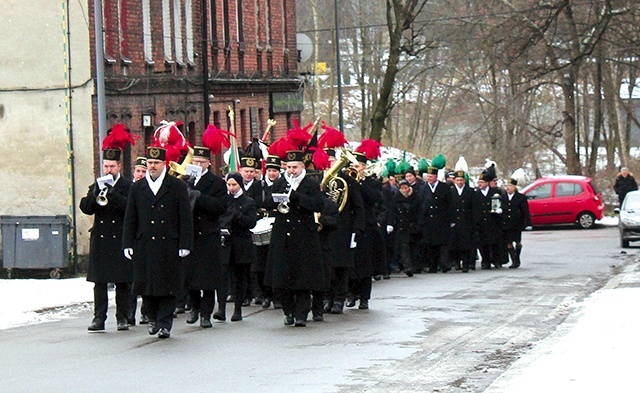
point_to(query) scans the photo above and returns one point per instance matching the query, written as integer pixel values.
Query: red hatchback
(564, 200)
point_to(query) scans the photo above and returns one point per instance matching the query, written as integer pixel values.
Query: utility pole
(99, 47)
(337, 38)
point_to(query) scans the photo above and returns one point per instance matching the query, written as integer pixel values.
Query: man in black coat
(516, 218)
(370, 253)
(435, 222)
(252, 187)
(203, 272)
(106, 262)
(488, 223)
(294, 265)
(272, 173)
(351, 223)
(625, 182)
(238, 248)
(158, 233)
(461, 245)
(405, 211)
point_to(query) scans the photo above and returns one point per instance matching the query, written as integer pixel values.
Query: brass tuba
(180, 170)
(336, 187)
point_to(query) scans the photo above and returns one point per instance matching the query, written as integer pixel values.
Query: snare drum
(261, 233)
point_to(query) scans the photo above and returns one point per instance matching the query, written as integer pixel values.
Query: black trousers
(317, 303)
(339, 285)
(101, 300)
(133, 304)
(161, 310)
(434, 257)
(360, 288)
(295, 302)
(240, 273)
(491, 254)
(463, 256)
(202, 301)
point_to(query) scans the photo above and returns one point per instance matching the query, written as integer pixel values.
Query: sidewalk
(594, 350)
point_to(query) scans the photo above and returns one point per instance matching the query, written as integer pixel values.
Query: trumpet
(283, 207)
(101, 199)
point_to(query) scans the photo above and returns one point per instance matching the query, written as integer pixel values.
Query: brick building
(190, 60)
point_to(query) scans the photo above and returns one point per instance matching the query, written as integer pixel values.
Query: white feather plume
(461, 165)
(519, 176)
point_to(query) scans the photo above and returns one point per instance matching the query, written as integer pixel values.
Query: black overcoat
(239, 218)
(488, 225)
(404, 213)
(203, 267)
(350, 220)
(515, 213)
(156, 227)
(106, 260)
(462, 233)
(370, 258)
(435, 214)
(295, 256)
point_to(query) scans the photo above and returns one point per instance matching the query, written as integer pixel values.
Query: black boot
(193, 317)
(237, 312)
(221, 314)
(515, 257)
(337, 308)
(97, 325)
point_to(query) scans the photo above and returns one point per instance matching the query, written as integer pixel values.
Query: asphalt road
(449, 332)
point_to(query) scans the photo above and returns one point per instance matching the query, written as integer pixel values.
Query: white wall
(35, 113)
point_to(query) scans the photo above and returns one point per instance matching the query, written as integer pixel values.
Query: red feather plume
(118, 138)
(331, 138)
(281, 146)
(320, 159)
(298, 137)
(214, 138)
(370, 148)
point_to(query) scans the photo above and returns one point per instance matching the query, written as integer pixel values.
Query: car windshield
(632, 202)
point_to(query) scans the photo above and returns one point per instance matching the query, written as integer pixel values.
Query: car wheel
(586, 220)
(624, 243)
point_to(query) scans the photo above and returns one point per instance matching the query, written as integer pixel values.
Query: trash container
(35, 242)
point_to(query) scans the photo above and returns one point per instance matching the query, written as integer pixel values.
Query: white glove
(183, 253)
(499, 210)
(128, 252)
(528, 228)
(453, 224)
(389, 229)
(353, 243)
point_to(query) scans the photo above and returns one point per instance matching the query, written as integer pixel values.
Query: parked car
(629, 222)
(564, 200)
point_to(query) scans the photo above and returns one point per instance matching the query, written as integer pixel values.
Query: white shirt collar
(155, 185)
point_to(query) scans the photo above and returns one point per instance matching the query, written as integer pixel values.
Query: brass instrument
(316, 219)
(283, 207)
(101, 199)
(180, 170)
(336, 187)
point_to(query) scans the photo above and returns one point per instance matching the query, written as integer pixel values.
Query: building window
(166, 32)
(177, 32)
(146, 33)
(227, 36)
(188, 16)
(215, 45)
(240, 36)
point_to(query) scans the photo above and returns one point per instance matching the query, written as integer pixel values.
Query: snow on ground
(31, 301)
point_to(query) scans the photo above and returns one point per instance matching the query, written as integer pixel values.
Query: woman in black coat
(238, 248)
(405, 211)
(515, 218)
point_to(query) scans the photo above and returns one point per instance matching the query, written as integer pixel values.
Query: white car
(629, 222)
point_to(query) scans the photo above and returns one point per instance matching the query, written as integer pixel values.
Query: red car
(564, 200)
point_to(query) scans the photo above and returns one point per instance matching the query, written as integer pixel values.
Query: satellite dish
(304, 46)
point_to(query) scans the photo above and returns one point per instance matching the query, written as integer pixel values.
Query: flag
(234, 157)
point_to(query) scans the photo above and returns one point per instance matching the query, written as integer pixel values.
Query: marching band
(293, 226)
